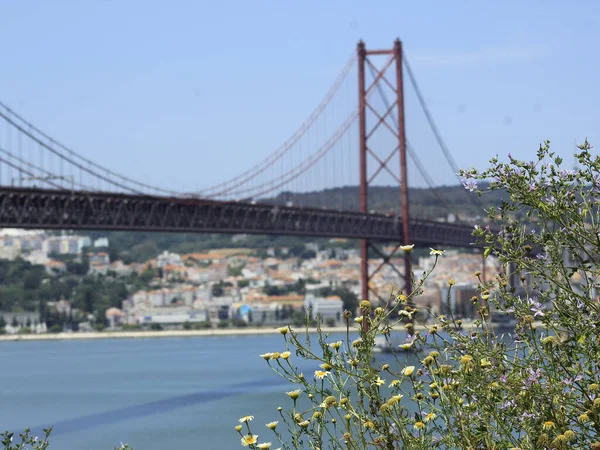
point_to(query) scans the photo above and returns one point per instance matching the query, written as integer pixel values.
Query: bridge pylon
(372, 117)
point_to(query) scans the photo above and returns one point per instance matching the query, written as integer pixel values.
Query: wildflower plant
(29, 441)
(26, 440)
(534, 386)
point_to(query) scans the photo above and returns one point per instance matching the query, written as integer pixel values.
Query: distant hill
(424, 203)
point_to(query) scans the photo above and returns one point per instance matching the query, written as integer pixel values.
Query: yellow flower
(451, 282)
(408, 371)
(407, 248)
(356, 342)
(286, 355)
(353, 362)
(283, 330)
(419, 425)
(395, 383)
(394, 399)
(329, 401)
(445, 369)
(406, 346)
(466, 360)
(365, 304)
(358, 319)
(264, 446)
(336, 345)
(485, 363)
(249, 439)
(304, 423)
(320, 374)
(272, 425)
(294, 394)
(238, 428)
(402, 298)
(569, 434)
(429, 417)
(378, 381)
(405, 313)
(326, 366)
(369, 424)
(594, 387)
(266, 356)
(583, 418)
(435, 252)
(275, 355)
(246, 419)
(559, 441)
(548, 425)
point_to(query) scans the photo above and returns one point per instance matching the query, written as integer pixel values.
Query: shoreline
(154, 334)
(175, 333)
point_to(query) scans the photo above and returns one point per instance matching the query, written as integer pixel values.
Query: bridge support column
(389, 120)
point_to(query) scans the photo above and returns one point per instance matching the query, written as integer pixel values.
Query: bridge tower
(392, 118)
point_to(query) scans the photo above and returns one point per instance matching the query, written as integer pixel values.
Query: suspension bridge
(354, 139)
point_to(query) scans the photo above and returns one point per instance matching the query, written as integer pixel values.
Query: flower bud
(365, 305)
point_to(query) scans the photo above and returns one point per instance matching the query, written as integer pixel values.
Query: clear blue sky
(188, 93)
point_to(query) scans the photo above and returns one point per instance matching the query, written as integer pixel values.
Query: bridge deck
(55, 209)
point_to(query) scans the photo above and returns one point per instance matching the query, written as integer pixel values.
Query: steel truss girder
(52, 209)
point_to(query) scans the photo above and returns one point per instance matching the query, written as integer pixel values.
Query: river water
(154, 394)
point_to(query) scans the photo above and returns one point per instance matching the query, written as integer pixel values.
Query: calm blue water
(155, 394)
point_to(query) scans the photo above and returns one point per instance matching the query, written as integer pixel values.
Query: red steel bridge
(45, 184)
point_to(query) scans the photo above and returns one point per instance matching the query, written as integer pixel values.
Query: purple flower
(536, 308)
(532, 187)
(570, 381)
(507, 404)
(503, 378)
(410, 339)
(534, 375)
(471, 185)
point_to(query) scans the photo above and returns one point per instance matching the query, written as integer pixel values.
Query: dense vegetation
(466, 386)
(28, 287)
